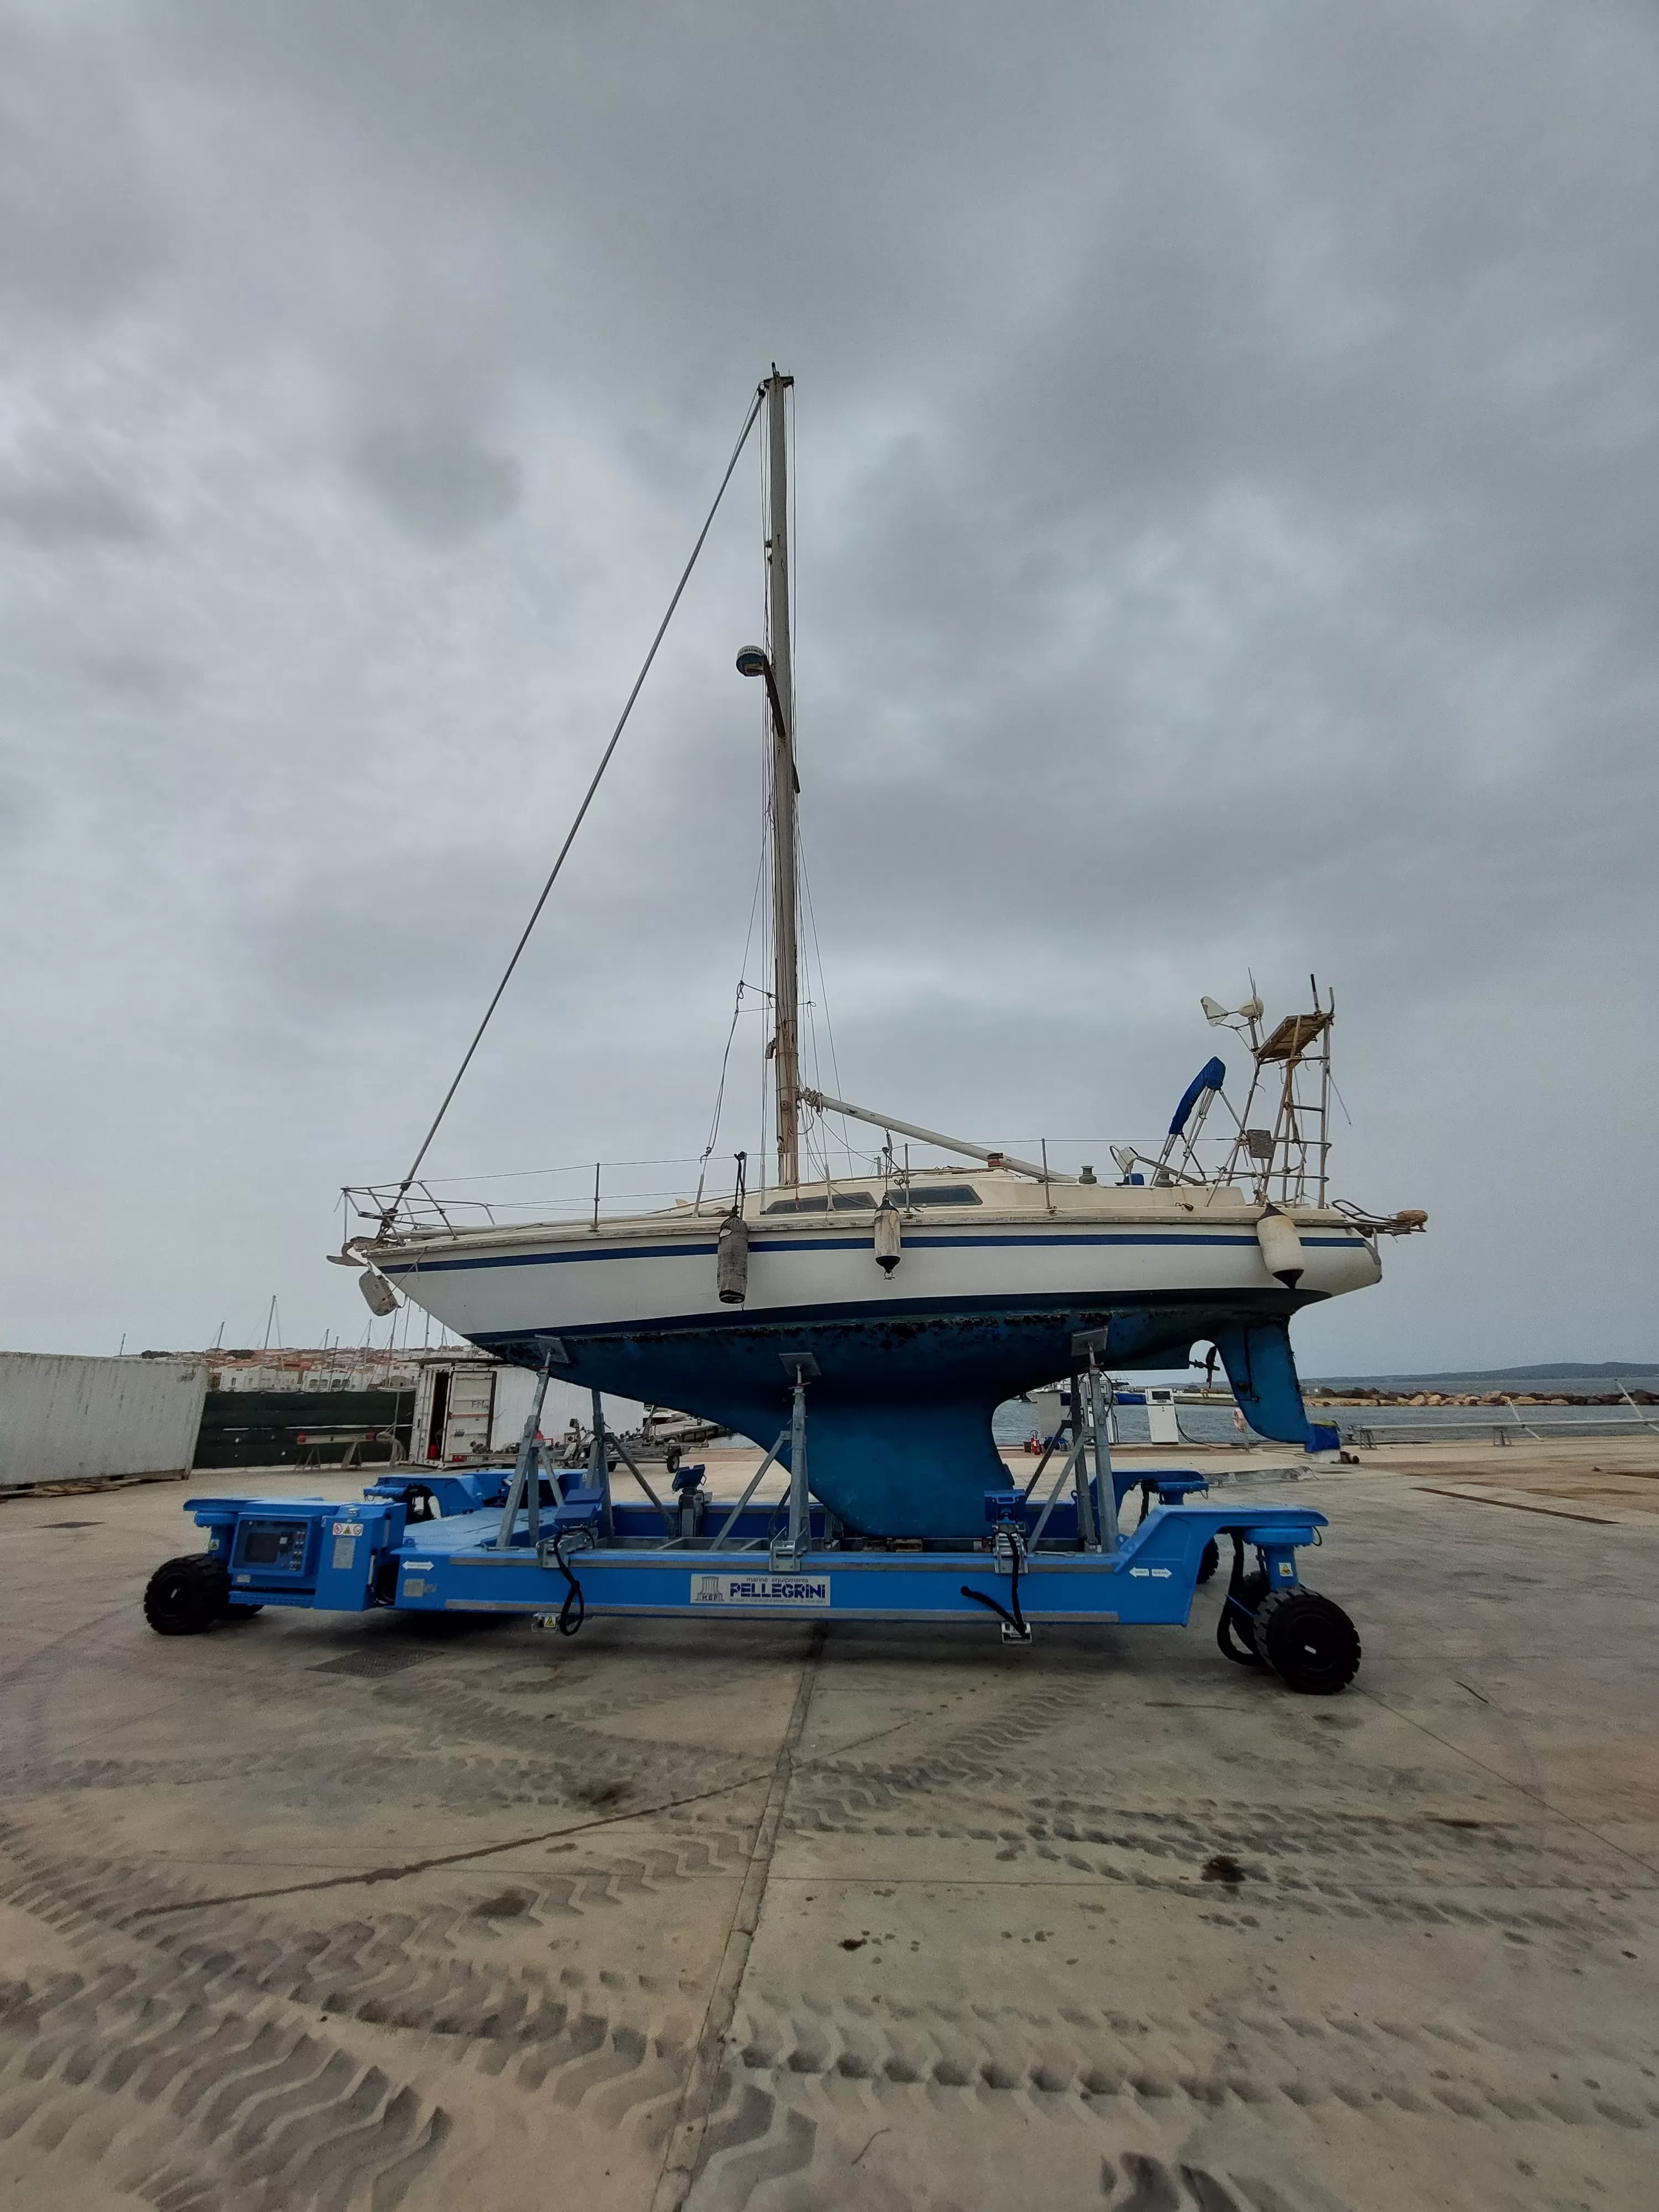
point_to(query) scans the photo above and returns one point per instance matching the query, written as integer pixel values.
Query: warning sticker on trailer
(800, 1593)
(348, 1528)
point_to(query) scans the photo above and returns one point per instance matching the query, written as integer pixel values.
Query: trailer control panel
(273, 1547)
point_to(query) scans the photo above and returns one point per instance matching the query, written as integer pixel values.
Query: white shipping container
(65, 1419)
(466, 1410)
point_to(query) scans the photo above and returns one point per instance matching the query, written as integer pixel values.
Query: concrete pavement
(352, 1912)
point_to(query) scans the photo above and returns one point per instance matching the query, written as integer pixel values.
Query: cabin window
(940, 1193)
(840, 1201)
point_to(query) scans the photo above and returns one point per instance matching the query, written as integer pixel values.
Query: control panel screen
(278, 1546)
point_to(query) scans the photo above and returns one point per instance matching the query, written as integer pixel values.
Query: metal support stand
(632, 1466)
(731, 1520)
(1084, 1434)
(1105, 1486)
(598, 1468)
(1069, 1472)
(1048, 1450)
(792, 1548)
(1091, 1434)
(526, 1484)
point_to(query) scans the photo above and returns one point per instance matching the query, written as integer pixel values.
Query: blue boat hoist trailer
(556, 1545)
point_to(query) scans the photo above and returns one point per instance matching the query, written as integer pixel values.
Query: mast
(786, 787)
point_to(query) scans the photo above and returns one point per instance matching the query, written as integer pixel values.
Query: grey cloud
(1226, 536)
(438, 483)
(145, 679)
(69, 505)
(80, 232)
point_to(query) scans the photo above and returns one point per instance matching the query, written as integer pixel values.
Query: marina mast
(786, 787)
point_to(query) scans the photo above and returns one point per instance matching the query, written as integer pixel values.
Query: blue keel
(1262, 1368)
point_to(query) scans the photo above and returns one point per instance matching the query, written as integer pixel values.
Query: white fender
(1281, 1248)
(732, 1260)
(888, 1237)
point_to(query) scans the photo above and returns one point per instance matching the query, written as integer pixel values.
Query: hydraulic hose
(1010, 1612)
(1237, 1620)
(573, 1611)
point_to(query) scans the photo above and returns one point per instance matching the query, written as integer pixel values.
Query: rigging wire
(767, 932)
(824, 995)
(743, 985)
(809, 1041)
(810, 1048)
(806, 895)
(770, 997)
(587, 801)
(720, 1095)
(568, 1167)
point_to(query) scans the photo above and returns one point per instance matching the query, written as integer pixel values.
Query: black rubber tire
(1235, 1633)
(1308, 1641)
(187, 1596)
(1209, 1560)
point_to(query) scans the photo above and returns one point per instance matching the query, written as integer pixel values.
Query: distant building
(340, 1368)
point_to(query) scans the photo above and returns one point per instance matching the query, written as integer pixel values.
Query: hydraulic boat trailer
(553, 1544)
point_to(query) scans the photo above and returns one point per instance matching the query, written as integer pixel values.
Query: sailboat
(909, 1303)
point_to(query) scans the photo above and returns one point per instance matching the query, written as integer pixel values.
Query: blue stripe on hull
(688, 1251)
(863, 1315)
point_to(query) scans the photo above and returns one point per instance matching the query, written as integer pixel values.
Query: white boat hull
(910, 1363)
(648, 1277)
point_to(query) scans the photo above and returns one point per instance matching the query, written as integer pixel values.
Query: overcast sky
(1226, 533)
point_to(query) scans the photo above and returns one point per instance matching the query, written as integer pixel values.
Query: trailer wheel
(1234, 1631)
(1308, 1641)
(1208, 1560)
(185, 1597)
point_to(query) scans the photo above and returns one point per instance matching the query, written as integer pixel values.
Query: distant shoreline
(1555, 1373)
(1329, 1393)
